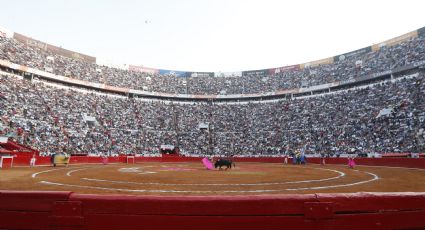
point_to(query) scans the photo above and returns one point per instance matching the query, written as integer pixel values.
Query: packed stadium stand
(345, 67)
(369, 100)
(342, 122)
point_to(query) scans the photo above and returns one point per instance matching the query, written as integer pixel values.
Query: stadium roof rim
(100, 61)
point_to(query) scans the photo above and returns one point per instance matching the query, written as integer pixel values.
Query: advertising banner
(283, 69)
(318, 62)
(228, 74)
(54, 49)
(353, 53)
(174, 73)
(201, 74)
(376, 47)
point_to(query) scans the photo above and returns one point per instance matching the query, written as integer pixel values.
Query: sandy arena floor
(193, 179)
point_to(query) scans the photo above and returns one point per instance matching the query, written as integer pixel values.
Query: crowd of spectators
(345, 67)
(384, 117)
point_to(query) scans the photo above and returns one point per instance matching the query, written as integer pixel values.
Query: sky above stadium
(212, 35)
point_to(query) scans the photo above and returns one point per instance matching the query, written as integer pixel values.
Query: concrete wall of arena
(67, 210)
(24, 160)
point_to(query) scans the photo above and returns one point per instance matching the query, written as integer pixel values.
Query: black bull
(223, 162)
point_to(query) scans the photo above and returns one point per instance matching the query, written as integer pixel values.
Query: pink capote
(207, 163)
(351, 163)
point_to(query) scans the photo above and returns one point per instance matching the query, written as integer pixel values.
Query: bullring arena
(192, 178)
(89, 145)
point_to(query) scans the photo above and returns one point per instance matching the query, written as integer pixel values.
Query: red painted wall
(23, 160)
(67, 210)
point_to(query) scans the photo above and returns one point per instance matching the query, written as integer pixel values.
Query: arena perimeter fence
(24, 160)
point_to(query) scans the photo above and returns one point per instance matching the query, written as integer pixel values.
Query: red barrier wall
(67, 210)
(24, 160)
(393, 161)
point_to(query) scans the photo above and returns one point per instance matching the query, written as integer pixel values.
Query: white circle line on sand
(375, 177)
(147, 172)
(153, 191)
(34, 175)
(341, 174)
(129, 170)
(76, 170)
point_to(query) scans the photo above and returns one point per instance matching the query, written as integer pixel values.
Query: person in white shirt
(32, 161)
